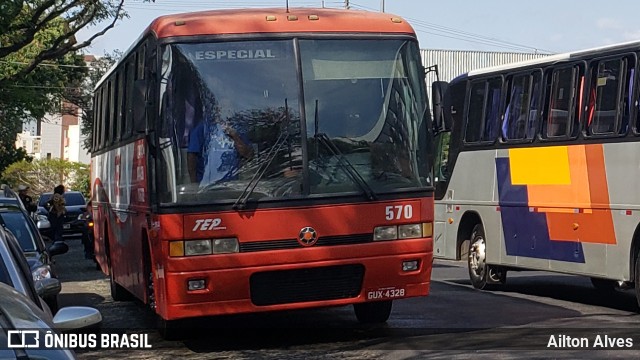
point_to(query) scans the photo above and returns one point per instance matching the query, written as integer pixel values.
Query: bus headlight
(197, 247)
(203, 247)
(406, 231)
(410, 231)
(385, 233)
(225, 246)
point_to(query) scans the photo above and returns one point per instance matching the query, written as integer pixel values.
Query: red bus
(265, 159)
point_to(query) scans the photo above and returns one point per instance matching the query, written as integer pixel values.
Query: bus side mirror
(441, 122)
(140, 106)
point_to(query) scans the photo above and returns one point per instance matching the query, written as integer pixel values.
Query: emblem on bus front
(308, 236)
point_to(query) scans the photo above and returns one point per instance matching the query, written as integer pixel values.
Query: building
(56, 136)
(32, 144)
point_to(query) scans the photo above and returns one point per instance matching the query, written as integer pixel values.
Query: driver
(215, 150)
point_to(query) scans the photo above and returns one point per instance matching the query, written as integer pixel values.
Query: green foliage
(44, 175)
(49, 28)
(40, 60)
(29, 96)
(8, 151)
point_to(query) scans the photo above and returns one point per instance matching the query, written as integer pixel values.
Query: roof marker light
(271, 18)
(180, 22)
(314, 17)
(396, 20)
(292, 17)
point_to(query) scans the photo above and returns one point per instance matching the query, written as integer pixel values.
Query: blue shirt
(217, 155)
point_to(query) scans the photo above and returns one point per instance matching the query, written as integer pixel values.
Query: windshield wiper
(241, 201)
(342, 160)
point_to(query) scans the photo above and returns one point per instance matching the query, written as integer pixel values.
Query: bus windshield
(234, 113)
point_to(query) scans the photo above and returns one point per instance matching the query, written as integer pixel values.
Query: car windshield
(16, 222)
(70, 199)
(233, 113)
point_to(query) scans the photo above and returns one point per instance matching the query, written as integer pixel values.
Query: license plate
(66, 226)
(385, 293)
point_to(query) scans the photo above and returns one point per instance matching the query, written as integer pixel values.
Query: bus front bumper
(294, 279)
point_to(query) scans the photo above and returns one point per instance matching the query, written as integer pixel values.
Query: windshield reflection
(231, 120)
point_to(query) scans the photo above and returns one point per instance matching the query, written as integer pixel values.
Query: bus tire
(476, 261)
(373, 312)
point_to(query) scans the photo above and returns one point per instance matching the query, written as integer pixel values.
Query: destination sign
(233, 54)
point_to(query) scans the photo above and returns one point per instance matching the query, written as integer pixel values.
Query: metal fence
(452, 63)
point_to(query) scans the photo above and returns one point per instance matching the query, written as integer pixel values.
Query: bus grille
(293, 244)
(300, 285)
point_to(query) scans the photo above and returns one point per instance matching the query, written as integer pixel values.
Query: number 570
(398, 212)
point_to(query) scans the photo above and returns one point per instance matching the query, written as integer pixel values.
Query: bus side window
(130, 70)
(610, 96)
(514, 126)
(483, 111)
(492, 110)
(562, 103)
(534, 105)
(97, 120)
(605, 94)
(627, 98)
(475, 112)
(106, 115)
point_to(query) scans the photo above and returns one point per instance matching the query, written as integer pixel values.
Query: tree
(43, 175)
(40, 58)
(8, 151)
(22, 21)
(40, 62)
(37, 93)
(42, 90)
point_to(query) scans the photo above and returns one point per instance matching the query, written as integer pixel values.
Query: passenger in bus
(215, 152)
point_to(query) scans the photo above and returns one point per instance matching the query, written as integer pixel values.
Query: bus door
(443, 248)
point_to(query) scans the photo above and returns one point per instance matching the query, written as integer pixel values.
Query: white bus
(537, 165)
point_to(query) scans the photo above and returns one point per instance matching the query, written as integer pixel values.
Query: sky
(546, 26)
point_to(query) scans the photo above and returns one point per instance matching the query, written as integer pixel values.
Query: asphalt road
(517, 320)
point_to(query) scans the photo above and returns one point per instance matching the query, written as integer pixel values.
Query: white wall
(51, 135)
(75, 150)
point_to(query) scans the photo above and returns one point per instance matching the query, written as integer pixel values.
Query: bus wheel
(478, 268)
(373, 312)
(118, 293)
(604, 285)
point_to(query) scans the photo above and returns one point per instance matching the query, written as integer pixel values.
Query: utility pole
(346, 4)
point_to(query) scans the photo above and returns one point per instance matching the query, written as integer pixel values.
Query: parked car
(75, 224)
(19, 312)
(22, 307)
(39, 255)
